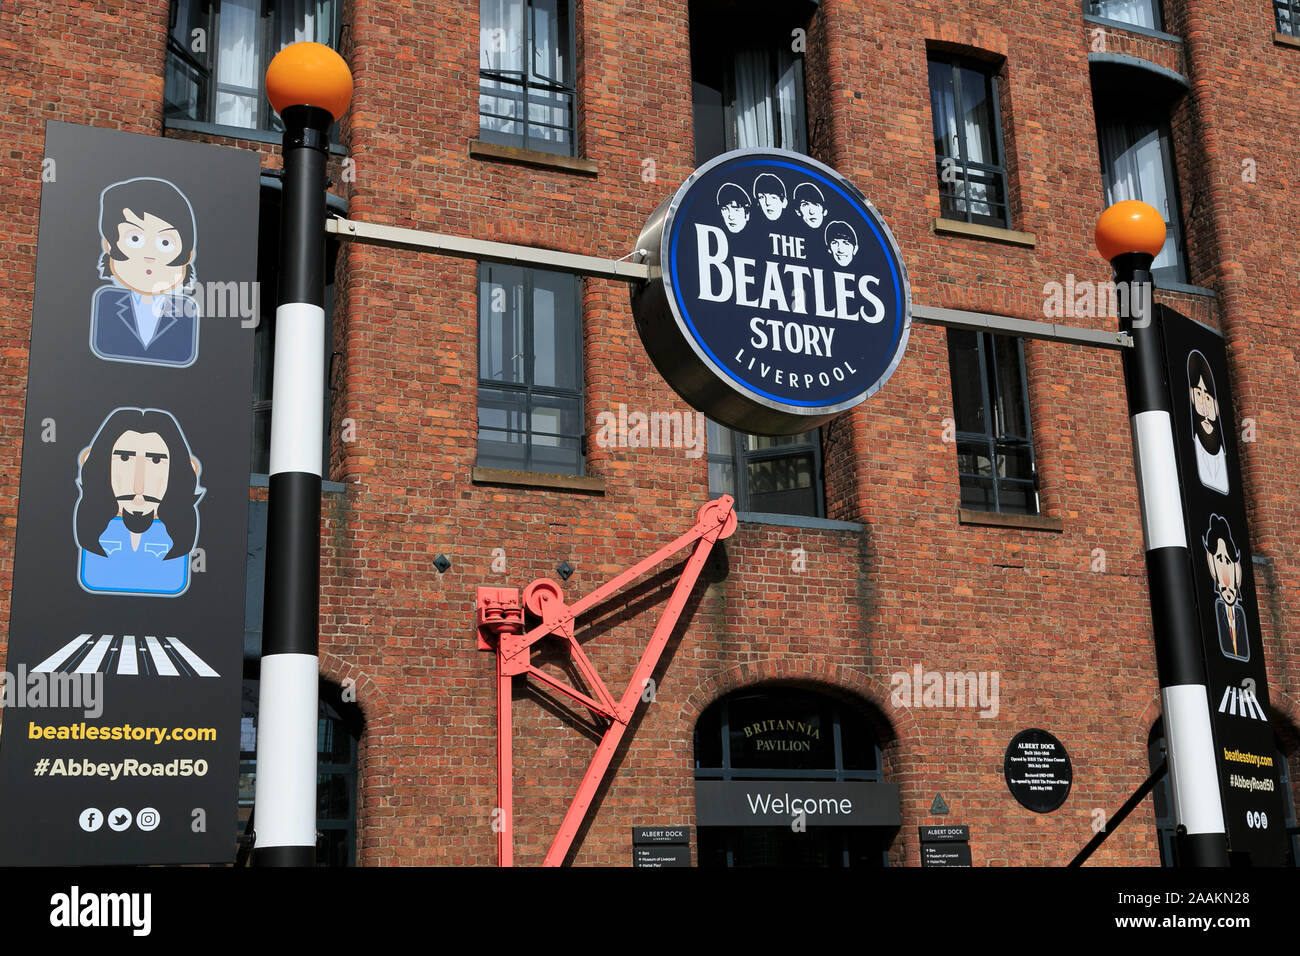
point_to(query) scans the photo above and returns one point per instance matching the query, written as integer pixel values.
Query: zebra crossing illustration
(1241, 702)
(125, 655)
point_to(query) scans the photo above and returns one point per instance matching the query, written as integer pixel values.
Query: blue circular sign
(783, 299)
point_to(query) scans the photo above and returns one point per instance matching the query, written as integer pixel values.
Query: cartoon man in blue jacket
(147, 233)
(137, 520)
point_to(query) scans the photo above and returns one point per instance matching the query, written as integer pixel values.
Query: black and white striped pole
(310, 87)
(1131, 234)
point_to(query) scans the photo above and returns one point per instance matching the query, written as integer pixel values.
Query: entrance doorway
(790, 777)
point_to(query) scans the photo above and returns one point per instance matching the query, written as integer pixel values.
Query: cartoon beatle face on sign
(147, 238)
(769, 193)
(842, 242)
(733, 203)
(136, 519)
(1207, 424)
(810, 204)
(1225, 569)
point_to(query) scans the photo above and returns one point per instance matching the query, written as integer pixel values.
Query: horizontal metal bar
(393, 237)
(482, 250)
(1025, 328)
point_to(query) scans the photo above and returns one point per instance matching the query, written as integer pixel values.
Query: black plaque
(660, 855)
(945, 854)
(1037, 769)
(1206, 431)
(680, 835)
(949, 833)
(130, 558)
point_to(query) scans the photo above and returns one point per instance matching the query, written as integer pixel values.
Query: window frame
(526, 83)
(528, 388)
(740, 457)
(992, 437)
(1091, 8)
(268, 127)
(1292, 8)
(1109, 113)
(991, 74)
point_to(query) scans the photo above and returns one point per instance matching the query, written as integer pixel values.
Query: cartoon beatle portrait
(1225, 569)
(1207, 425)
(137, 515)
(842, 242)
(733, 203)
(147, 237)
(810, 204)
(769, 193)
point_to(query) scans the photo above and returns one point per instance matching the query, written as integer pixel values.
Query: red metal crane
(500, 628)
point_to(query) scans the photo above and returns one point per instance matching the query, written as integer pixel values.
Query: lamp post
(1130, 235)
(310, 87)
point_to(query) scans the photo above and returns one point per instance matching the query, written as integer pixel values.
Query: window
(748, 93)
(777, 475)
(530, 413)
(1138, 13)
(968, 142)
(747, 81)
(1137, 162)
(218, 52)
(527, 92)
(339, 725)
(1288, 16)
(990, 403)
(747, 86)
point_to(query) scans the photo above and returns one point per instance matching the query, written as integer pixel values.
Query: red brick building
(466, 402)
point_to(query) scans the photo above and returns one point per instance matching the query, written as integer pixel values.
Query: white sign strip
(1195, 778)
(62, 654)
(96, 656)
(161, 662)
(285, 789)
(296, 426)
(196, 663)
(1157, 477)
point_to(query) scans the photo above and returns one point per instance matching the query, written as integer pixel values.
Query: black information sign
(947, 845)
(661, 835)
(659, 847)
(120, 741)
(746, 803)
(1205, 442)
(1038, 771)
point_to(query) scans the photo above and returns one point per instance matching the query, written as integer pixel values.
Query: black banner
(120, 739)
(1205, 440)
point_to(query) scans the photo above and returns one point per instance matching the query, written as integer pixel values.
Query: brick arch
(375, 788)
(898, 721)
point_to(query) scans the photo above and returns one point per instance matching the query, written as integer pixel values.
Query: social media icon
(147, 819)
(90, 819)
(119, 819)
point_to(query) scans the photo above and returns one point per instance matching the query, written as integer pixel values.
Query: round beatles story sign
(778, 297)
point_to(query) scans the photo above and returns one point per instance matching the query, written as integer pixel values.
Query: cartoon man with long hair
(137, 516)
(1207, 425)
(146, 316)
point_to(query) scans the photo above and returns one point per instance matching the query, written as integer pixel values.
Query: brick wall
(1072, 645)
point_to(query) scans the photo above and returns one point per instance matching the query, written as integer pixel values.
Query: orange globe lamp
(1130, 226)
(309, 74)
